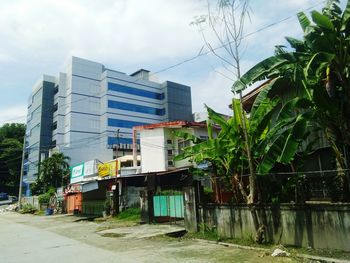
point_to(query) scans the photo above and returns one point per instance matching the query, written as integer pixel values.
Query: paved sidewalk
(27, 238)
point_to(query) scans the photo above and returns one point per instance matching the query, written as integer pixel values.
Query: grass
(331, 253)
(128, 217)
(213, 236)
(39, 213)
(130, 214)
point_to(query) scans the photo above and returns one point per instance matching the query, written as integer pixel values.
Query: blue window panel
(114, 140)
(124, 123)
(135, 108)
(135, 91)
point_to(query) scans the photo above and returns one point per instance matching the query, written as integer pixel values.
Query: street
(28, 238)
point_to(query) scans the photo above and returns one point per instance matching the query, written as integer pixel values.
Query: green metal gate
(168, 207)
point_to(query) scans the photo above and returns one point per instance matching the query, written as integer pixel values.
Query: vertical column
(191, 215)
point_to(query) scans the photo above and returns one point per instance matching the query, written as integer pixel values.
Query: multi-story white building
(159, 144)
(90, 108)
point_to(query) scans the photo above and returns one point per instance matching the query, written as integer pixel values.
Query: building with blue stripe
(89, 109)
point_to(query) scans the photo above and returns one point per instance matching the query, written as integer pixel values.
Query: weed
(28, 209)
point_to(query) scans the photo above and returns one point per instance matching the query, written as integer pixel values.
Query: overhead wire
(200, 54)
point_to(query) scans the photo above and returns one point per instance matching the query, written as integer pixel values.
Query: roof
(140, 70)
(171, 124)
(249, 98)
(177, 170)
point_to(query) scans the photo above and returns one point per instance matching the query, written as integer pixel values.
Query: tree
(11, 146)
(53, 172)
(318, 69)
(227, 23)
(270, 142)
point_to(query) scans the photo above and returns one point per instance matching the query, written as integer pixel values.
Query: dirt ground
(137, 243)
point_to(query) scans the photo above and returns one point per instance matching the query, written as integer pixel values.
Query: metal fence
(288, 187)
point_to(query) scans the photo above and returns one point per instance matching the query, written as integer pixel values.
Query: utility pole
(22, 172)
(116, 191)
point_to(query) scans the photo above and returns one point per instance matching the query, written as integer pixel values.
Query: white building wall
(153, 152)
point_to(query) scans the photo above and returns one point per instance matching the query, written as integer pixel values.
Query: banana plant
(317, 70)
(274, 137)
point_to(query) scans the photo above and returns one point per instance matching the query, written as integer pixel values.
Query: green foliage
(45, 198)
(320, 67)
(11, 145)
(130, 214)
(28, 209)
(53, 173)
(170, 192)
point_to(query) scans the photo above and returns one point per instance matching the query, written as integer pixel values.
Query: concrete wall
(153, 155)
(32, 200)
(131, 197)
(317, 225)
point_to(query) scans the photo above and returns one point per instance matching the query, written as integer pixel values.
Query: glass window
(182, 145)
(135, 91)
(124, 123)
(115, 140)
(135, 108)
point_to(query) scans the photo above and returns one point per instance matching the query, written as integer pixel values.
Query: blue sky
(38, 36)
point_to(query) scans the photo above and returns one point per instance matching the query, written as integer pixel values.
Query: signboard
(77, 173)
(90, 169)
(109, 169)
(83, 172)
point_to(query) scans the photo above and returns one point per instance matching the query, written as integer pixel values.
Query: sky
(39, 36)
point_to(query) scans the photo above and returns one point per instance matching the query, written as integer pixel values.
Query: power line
(200, 53)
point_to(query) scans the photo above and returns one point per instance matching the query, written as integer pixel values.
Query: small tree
(53, 172)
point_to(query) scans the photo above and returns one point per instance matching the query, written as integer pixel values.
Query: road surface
(34, 239)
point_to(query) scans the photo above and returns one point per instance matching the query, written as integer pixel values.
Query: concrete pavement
(27, 238)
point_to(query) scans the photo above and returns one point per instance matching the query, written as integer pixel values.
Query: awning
(87, 187)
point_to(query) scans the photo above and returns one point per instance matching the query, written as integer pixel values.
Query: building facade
(90, 109)
(159, 144)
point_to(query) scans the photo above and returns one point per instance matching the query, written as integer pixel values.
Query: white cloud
(14, 114)
(124, 31)
(38, 36)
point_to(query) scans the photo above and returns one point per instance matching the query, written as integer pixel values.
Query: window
(37, 96)
(55, 90)
(36, 113)
(124, 123)
(170, 163)
(54, 126)
(114, 140)
(170, 152)
(135, 108)
(183, 144)
(55, 107)
(53, 143)
(135, 91)
(169, 141)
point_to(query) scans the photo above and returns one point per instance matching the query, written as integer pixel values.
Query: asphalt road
(29, 239)
(23, 243)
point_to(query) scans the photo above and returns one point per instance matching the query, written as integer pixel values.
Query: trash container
(49, 211)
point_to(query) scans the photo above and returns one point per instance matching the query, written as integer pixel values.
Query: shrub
(44, 198)
(27, 209)
(130, 214)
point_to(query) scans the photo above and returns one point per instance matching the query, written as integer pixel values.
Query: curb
(305, 256)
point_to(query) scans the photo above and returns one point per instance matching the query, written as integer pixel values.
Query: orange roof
(171, 124)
